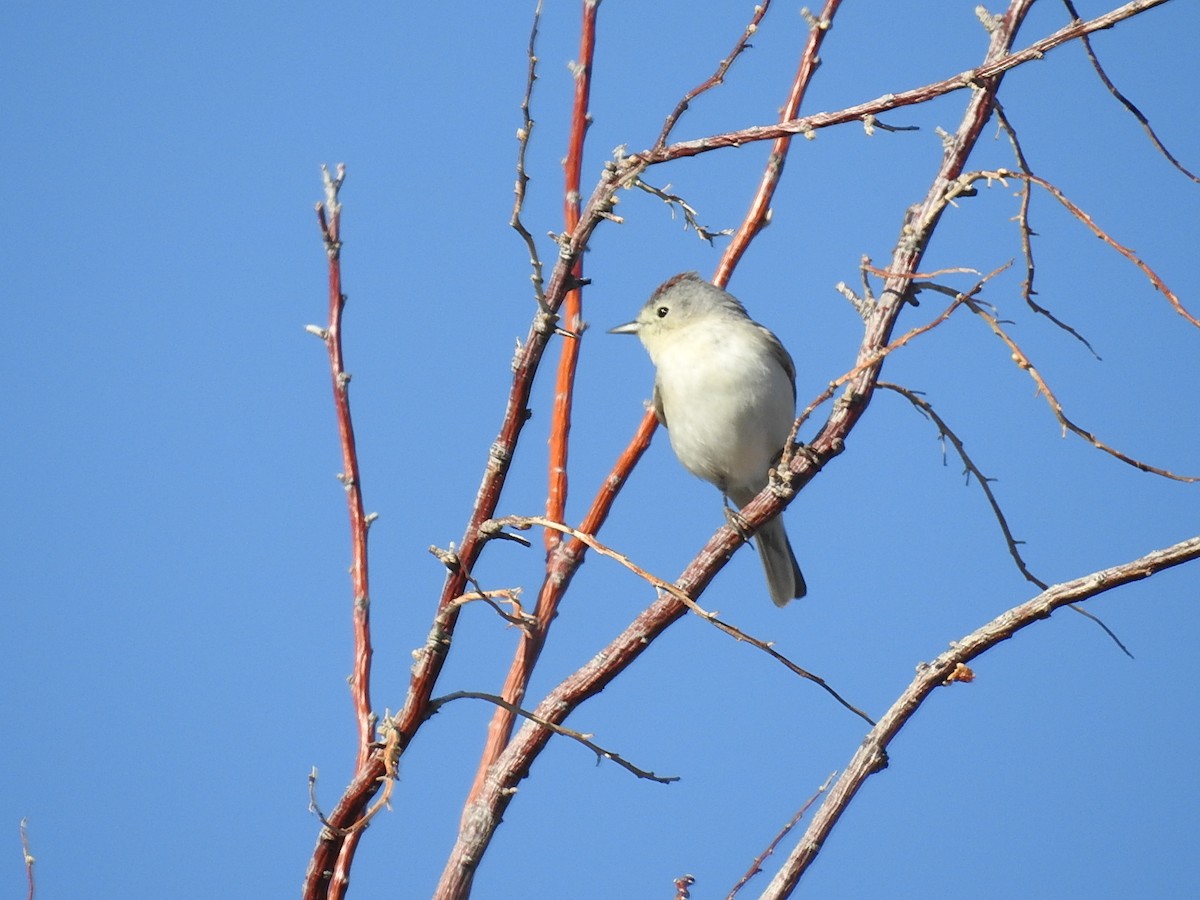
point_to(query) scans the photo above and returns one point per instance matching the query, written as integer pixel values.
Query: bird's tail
(784, 579)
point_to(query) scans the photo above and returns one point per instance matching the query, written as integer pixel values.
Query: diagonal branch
(1099, 232)
(1125, 101)
(523, 522)
(435, 705)
(717, 77)
(759, 213)
(530, 647)
(1027, 233)
(871, 757)
(994, 67)
(1022, 361)
(756, 866)
(985, 483)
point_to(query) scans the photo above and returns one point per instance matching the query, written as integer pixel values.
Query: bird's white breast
(728, 402)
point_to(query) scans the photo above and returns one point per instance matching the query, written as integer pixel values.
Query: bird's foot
(736, 521)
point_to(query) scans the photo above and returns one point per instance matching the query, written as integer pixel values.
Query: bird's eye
(662, 311)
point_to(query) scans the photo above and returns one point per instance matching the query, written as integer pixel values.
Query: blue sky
(176, 602)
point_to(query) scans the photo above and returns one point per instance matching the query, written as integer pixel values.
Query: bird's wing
(781, 354)
(657, 405)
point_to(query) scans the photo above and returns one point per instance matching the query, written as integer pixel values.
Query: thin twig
(946, 433)
(871, 757)
(717, 77)
(524, 522)
(759, 212)
(756, 866)
(1125, 101)
(437, 703)
(329, 219)
(29, 858)
(690, 216)
(1027, 233)
(523, 135)
(1159, 284)
(1022, 361)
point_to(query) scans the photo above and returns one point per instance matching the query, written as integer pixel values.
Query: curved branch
(871, 756)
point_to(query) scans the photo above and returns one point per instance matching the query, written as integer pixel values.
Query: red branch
(534, 638)
(330, 221)
(564, 385)
(329, 218)
(756, 217)
(971, 78)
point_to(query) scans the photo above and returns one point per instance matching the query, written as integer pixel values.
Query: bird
(725, 389)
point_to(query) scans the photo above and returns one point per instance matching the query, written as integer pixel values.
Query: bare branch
(971, 78)
(690, 216)
(523, 135)
(946, 433)
(1125, 101)
(1022, 361)
(758, 215)
(717, 77)
(756, 866)
(871, 756)
(29, 858)
(1100, 233)
(1027, 233)
(436, 704)
(522, 522)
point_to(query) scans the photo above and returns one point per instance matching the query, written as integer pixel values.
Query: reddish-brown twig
(329, 216)
(757, 215)
(1099, 232)
(756, 866)
(528, 651)
(971, 78)
(871, 756)
(717, 77)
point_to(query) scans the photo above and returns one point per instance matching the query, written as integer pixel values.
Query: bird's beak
(627, 328)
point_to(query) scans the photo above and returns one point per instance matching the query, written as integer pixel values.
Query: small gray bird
(725, 389)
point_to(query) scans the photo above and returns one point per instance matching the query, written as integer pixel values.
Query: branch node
(448, 558)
